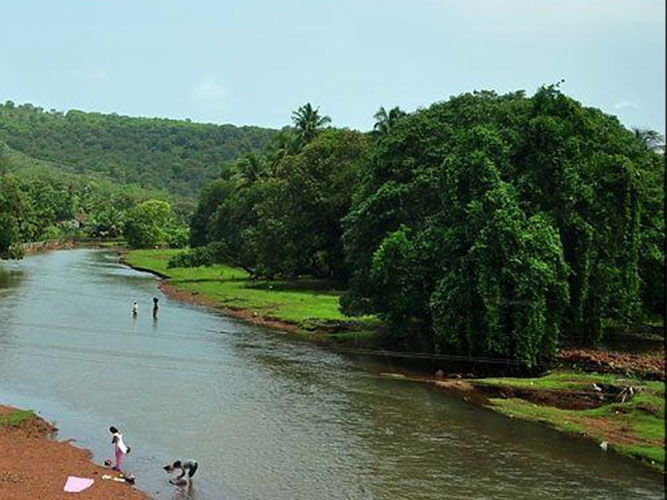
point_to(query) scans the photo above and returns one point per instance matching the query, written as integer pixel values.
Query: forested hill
(174, 155)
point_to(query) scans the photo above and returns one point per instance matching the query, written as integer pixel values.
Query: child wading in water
(189, 467)
(120, 448)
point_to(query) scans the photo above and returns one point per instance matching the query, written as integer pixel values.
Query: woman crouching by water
(188, 466)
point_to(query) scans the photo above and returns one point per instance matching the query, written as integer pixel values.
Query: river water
(265, 415)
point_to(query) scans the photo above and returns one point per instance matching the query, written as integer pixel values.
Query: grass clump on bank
(311, 305)
(14, 417)
(634, 427)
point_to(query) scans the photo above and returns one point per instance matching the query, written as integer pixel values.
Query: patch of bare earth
(648, 364)
(611, 431)
(557, 398)
(35, 467)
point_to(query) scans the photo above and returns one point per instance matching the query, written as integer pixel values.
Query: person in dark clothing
(156, 306)
(188, 467)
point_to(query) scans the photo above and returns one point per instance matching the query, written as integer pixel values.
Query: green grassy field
(309, 304)
(635, 428)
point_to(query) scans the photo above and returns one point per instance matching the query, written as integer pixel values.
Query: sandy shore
(35, 467)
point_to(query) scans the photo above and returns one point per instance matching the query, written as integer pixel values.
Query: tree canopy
(492, 225)
(501, 222)
(38, 201)
(177, 156)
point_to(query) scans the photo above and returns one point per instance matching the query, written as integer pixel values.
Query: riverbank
(622, 414)
(33, 466)
(599, 395)
(307, 308)
(35, 247)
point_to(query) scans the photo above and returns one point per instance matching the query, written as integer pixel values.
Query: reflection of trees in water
(10, 281)
(10, 278)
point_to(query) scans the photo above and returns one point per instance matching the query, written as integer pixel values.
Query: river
(266, 415)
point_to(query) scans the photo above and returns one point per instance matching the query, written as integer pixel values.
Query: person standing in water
(156, 306)
(135, 308)
(119, 446)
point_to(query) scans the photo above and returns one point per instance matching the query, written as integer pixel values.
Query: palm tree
(308, 121)
(385, 121)
(651, 139)
(283, 144)
(249, 169)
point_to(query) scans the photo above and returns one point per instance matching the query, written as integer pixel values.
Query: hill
(173, 155)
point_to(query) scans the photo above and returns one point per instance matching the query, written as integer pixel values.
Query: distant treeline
(171, 155)
(40, 202)
(488, 224)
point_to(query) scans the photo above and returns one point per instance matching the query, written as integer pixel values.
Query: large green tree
(151, 224)
(499, 223)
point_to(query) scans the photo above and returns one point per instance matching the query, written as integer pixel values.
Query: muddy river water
(266, 416)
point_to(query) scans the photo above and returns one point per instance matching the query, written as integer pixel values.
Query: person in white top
(120, 448)
(135, 308)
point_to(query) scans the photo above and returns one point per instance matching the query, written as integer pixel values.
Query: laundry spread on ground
(76, 484)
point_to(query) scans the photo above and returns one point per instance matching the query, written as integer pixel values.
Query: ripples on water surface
(266, 416)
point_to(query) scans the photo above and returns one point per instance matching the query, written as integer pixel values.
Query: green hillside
(40, 200)
(173, 155)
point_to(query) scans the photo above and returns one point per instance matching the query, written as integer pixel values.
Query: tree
(496, 224)
(210, 198)
(385, 121)
(146, 225)
(12, 206)
(249, 169)
(108, 223)
(650, 139)
(308, 122)
(299, 213)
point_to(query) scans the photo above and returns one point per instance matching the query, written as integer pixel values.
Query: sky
(252, 62)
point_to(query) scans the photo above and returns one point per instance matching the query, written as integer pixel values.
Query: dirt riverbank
(35, 467)
(242, 314)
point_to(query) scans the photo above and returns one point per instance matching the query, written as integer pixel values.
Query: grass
(635, 428)
(306, 303)
(561, 380)
(16, 417)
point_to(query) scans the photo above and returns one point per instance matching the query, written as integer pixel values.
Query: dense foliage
(504, 222)
(281, 213)
(39, 202)
(173, 155)
(484, 225)
(152, 224)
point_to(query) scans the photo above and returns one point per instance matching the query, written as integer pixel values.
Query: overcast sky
(254, 61)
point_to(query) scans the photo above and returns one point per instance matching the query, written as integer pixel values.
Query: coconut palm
(249, 169)
(284, 143)
(308, 121)
(651, 139)
(384, 121)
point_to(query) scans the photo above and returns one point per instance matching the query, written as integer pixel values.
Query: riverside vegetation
(486, 225)
(497, 226)
(76, 174)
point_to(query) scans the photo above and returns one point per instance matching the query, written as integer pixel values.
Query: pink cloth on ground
(76, 484)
